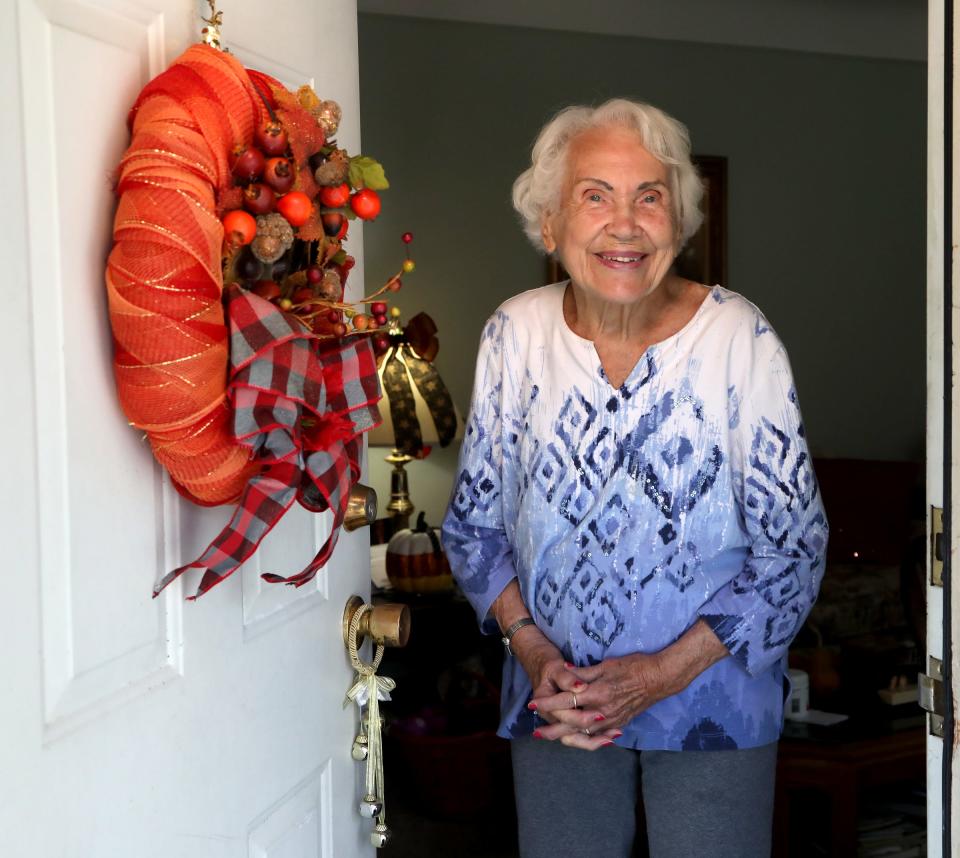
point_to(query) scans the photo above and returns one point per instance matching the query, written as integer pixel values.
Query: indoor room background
(825, 201)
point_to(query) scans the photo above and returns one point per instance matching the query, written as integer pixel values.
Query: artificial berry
(380, 319)
(408, 266)
(279, 175)
(333, 316)
(335, 196)
(248, 267)
(361, 322)
(348, 263)
(239, 227)
(395, 313)
(268, 289)
(314, 274)
(381, 343)
(332, 223)
(295, 207)
(342, 232)
(259, 199)
(271, 138)
(407, 237)
(285, 303)
(248, 165)
(365, 204)
(394, 285)
(378, 308)
(372, 326)
(340, 329)
(303, 295)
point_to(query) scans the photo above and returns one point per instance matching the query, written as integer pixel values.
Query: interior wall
(826, 213)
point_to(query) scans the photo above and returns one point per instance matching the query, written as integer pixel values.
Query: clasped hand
(586, 707)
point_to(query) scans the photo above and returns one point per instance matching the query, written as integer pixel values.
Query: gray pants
(709, 804)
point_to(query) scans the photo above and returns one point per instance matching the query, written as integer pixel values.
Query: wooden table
(840, 770)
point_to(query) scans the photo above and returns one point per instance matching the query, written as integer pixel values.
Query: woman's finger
(590, 741)
(559, 729)
(587, 673)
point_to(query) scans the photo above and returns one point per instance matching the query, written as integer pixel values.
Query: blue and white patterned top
(626, 514)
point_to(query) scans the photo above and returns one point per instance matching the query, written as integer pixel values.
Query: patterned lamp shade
(416, 408)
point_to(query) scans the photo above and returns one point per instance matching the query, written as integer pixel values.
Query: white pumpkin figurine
(416, 562)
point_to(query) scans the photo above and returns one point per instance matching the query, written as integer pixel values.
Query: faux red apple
(365, 204)
(271, 138)
(248, 165)
(239, 227)
(335, 196)
(295, 207)
(279, 174)
(259, 199)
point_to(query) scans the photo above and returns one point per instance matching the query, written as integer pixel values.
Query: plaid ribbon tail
(265, 500)
(334, 486)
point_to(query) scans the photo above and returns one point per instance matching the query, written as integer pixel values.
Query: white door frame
(943, 406)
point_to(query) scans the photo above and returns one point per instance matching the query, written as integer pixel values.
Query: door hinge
(931, 694)
(937, 551)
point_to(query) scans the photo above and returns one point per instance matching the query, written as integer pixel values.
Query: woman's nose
(623, 224)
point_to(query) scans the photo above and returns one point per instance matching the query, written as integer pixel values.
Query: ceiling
(890, 29)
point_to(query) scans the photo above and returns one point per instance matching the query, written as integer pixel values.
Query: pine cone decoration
(274, 237)
(334, 170)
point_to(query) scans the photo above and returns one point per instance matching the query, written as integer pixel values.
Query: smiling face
(613, 230)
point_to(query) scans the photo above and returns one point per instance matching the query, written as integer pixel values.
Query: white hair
(536, 192)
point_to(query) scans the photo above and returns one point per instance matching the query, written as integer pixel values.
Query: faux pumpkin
(416, 562)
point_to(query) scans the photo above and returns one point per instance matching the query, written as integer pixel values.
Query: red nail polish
(608, 742)
(532, 706)
(599, 717)
(618, 734)
(567, 664)
(537, 734)
(579, 684)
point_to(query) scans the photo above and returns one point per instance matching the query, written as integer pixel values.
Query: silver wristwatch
(514, 628)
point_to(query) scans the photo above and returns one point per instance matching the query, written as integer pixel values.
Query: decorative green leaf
(365, 172)
(339, 257)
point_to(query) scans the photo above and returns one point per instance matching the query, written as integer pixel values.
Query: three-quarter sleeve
(759, 612)
(473, 532)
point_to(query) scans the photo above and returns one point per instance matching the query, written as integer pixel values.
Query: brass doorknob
(361, 507)
(388, 625)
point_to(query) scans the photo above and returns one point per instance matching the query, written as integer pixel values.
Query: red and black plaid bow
(301, 410)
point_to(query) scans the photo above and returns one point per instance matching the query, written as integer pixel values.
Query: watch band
(512, 630)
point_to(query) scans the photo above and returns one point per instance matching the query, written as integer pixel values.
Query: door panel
(131, 725)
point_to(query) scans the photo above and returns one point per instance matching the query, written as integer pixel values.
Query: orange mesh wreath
(164, 279)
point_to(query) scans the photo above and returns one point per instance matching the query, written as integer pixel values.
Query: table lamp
(416, 409)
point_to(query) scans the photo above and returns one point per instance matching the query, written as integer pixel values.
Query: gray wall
(826, 200)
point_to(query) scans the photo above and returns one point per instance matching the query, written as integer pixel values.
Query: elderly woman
(635, 511)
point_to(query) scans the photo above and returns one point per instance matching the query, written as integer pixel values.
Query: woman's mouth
(621, 259)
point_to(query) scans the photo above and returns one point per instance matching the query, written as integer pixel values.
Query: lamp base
(400, 504)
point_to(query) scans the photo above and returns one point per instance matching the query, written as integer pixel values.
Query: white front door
(943, 349)
(133, 727)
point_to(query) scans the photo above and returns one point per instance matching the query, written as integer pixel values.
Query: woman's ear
(546, 233)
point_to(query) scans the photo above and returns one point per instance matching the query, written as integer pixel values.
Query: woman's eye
(651, 198)
(595, 197)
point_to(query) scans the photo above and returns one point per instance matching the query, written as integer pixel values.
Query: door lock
(937, 552)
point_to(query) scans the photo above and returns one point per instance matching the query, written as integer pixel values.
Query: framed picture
(704, 258)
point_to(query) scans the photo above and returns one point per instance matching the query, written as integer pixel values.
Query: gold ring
(574, 693)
